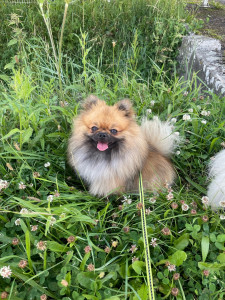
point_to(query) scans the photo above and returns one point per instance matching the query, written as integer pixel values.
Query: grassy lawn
(57, 241)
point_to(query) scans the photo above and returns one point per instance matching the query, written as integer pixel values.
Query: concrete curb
(202, 55)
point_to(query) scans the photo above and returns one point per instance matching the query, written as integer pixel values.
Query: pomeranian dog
(109, 150)
(216, 189)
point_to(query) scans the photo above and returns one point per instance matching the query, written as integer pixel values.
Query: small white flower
(3, 184)
(222, 203)
(17, 222)
(172, 268)
(178, 152)
(127, 200)
(186, 117)
(24, 211)
(177, 133)
(149, 111)
(133, 248)
(203, 121)
(63, 215)
(34, 227)
(148, 211)
(22, 186)
(190, 110)
(173, 120)
(153, 242)
(169, 196)
(152, 200)
(208, 113)
(52, 221)
(50, 198)
(5, 272)
(205, 200)
(185, 207)
(134, 259)
(152, 103)
(47, 164)
(204, 113)
(222, 217)
(185, 93)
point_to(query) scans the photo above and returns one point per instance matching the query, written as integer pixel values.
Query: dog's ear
(125, 105)
(90, 101)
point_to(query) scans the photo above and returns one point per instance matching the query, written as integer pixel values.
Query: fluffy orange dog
(109, 149)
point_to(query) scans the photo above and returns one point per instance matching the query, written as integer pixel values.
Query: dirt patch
(214, 21)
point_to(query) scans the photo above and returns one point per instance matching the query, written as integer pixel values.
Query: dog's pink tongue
(102, 146)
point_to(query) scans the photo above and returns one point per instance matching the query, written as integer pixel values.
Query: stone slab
(202, 55)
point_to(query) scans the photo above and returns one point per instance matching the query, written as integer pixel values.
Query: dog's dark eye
(94, 128)
(113, 131)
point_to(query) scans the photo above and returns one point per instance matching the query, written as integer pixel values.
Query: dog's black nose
(102, 135)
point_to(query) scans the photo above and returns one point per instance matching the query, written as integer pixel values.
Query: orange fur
(130, 150)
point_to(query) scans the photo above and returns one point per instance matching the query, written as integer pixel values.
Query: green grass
(35, 127)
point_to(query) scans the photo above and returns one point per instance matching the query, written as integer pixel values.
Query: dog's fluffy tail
(216, 189)
(160, 135)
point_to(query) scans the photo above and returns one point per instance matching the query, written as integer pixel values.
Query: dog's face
(106, 128)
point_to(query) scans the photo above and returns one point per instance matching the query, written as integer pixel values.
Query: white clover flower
(203, 121)
(185, 207)
(177, 152)
(186, 117)
(149, 111)
(190, 110)
(148, 211)
(50, 198)
(47, 164)
(185, 93)
(17, 222)
(133, 248)
(205, 200)
(152, 103)
(22, 186)
(127, 200)
(152, 200)
(173, 120)
(169, 196)
(222, 203)
(208, 113)
(177, 133)
(5, 272)
(222, 217)
(34, 227)
(172, 268)
(24, 211)
(3, 184)
(153, 242)
(204, 113)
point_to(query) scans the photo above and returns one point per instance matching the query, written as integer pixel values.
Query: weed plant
(159, 25)
(58, 241)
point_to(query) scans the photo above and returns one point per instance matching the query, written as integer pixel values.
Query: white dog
(216, 189)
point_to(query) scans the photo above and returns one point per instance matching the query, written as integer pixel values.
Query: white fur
(216, 189)
(160, 135)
